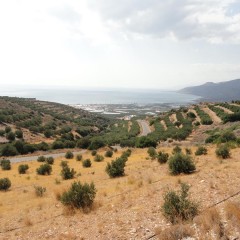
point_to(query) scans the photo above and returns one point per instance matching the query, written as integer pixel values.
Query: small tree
(152, 152)
(201, 151)
(67, 173)
(79, 157)
(162, 157)
(5, 164)
(223, 152)
(11, 136)
(8, 129)
(94, 153)
(109, 153)
(23, 168)
(87, 163)
(180, 163)
(19, 133)
(69, 155)
(50, 160)
(98, 158)
(79, 195)
(116, 167)
(176, 149)
(177, 207)
(5, 184)
(44, 169)
(41, 159)
(9, 150)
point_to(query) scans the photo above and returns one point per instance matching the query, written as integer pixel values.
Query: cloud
(214, 21)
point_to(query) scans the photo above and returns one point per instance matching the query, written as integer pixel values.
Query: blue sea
(68, 95)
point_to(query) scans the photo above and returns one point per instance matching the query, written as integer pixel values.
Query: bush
(9, 150)
(176, 149)
(96, 144)
(143, 142)
(188, 151)
(227, 137)
(201, 151)
(41, 159)
(5, 184)
(50, 160)
(180, 163)
(79, 195)
(87, 163)
(223, 152)
(116, 167)
(67, 173)
(98, 158)
(109, 153)
(94, 152)
(23, 168)
(152, 152)
(162, 157)
(19, 133)
(5, 164)
(177, 207)
(8, 129)
(79, 157)
(69, 155)
(44, 169)
(10, 136)
(63, 163)
(39, 191)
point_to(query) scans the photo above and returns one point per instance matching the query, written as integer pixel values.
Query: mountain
(223, 91)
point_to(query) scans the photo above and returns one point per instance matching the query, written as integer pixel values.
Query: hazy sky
(125, 43)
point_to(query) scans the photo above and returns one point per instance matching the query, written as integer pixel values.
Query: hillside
(130, 183)
(223, 91)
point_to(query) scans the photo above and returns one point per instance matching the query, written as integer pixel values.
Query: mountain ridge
(222, 91)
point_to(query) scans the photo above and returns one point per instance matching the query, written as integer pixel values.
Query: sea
(101, 100)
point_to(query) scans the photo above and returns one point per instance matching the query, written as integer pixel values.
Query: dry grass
(136, 196)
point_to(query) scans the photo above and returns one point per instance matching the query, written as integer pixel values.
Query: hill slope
(223, 91)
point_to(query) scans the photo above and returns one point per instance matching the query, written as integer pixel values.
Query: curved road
(145, 128)
(34, 158)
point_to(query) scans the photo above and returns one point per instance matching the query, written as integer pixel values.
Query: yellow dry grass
(139, 192)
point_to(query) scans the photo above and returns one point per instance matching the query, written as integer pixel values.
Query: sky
(160, 44)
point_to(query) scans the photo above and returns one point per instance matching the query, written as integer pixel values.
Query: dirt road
(145, 128)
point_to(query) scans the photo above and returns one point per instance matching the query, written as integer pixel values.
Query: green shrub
(188, 151)
(39, 191)
(197, 123)
(50, 160)
(180, 163)
(178, 207)
(96, 144)
(44, 169)
(116, 167)
(63, 163)
(109, 153)
(79, 195)
(41, 159)
(5, 164)
(144, 141)
(79, 157)
(23, 168)
(227, 137)
(67, 173)
(9, 150)
(201, 151)
(152, 152)
(162, 157)
(5, 184)
(94, 153)
(223, 152)
(8, 129)
(176, 149)
(98, 158)
(87, 163)
(19, 133)
(69, 155)
(10, 136)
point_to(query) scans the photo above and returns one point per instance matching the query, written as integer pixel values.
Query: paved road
(34, 158)
(145, 128)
